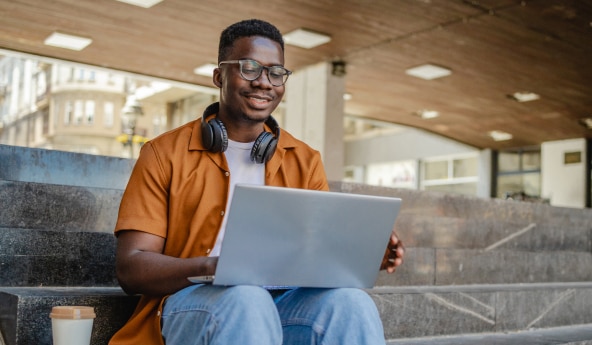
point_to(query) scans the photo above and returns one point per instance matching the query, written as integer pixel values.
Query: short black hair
(247, 28)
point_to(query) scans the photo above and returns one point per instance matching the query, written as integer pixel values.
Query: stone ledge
(567, 335)
(421, 203)
(434, 266)
(412, 312)
(408, 313)
(472, 233)
(56, 207)
(30, 257)
(63, 168)
(24, 312)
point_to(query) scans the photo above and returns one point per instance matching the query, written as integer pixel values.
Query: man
(171, 218)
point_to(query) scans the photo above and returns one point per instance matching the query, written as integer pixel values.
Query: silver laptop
(302, 238)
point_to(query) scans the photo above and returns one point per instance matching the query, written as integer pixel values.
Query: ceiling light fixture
(428, 72)
(305, 38)
(66, 41)
(206, 70)
(524, 96)
(427, 114)
(141, 3)
(500, 135)
(586, 122)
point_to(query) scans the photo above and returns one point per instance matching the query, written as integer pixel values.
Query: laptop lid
(279, 236)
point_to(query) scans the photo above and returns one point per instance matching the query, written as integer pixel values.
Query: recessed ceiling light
(428, 72)
(66, 41)
(586, 122)
(427, 114)
(524, 96)
(500, 135)
(141, 3)
(304, 38)
(206, 70)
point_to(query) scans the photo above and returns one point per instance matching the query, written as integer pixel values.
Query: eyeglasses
(251, 70)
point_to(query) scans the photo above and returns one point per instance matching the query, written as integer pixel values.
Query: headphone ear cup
(220, 140)
(263, 148)
(207, 135)
(214, 136)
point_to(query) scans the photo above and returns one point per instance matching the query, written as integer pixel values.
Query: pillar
(315, 111)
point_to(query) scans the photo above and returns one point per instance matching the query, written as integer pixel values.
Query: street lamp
(129, 116)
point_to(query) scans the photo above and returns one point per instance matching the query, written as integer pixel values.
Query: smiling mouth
(258, 101)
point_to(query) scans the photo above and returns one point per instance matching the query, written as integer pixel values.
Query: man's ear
(217, 77)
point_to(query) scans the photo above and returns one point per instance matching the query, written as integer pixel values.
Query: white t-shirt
(242, 170)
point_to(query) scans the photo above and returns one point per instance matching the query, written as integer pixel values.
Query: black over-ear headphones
(215, 138)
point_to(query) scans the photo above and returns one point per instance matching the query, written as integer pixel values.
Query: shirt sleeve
(144, 205)
(318, 177)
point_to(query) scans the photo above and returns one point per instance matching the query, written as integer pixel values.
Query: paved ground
(572, 335)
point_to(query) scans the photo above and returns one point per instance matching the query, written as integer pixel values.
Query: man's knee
(248, 297)
(352, 298)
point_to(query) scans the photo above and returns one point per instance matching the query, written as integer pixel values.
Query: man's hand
(393, 257)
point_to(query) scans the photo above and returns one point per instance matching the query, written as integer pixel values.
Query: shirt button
(227, 174)
(222, 213)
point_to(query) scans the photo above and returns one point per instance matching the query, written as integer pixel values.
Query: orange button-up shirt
(178, 190)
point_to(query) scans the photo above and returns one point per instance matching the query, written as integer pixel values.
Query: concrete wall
(564, 182)
(408, 144)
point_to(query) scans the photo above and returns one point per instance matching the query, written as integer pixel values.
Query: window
(90, 112)
(78, 112)
(68, 113)
(108, 114)
(519, 172)
(401, 174)
(436, 170)
(451, 174)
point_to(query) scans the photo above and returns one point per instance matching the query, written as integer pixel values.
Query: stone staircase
(487, 271)
(476, 270)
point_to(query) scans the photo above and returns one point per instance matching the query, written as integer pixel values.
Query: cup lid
(72, 312)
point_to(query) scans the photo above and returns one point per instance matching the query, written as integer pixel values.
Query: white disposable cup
(72, 325)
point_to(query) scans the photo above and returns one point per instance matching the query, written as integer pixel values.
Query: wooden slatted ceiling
(494, 47)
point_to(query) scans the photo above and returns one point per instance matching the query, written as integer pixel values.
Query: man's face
(241, 99)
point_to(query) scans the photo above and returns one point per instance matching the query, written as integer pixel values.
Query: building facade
(67, 107)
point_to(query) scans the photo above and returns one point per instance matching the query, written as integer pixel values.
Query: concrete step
(63, 168)
(409, 313)
(91, 171)
(74, 208)
(431, 266)
(425, 203)
(567, 335)
(31, 257)
(58, 207)
(488, 234)
(24, 312)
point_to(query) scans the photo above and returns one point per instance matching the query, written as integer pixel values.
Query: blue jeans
(249, 315)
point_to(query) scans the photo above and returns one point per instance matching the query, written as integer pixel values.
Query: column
(314, 113)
